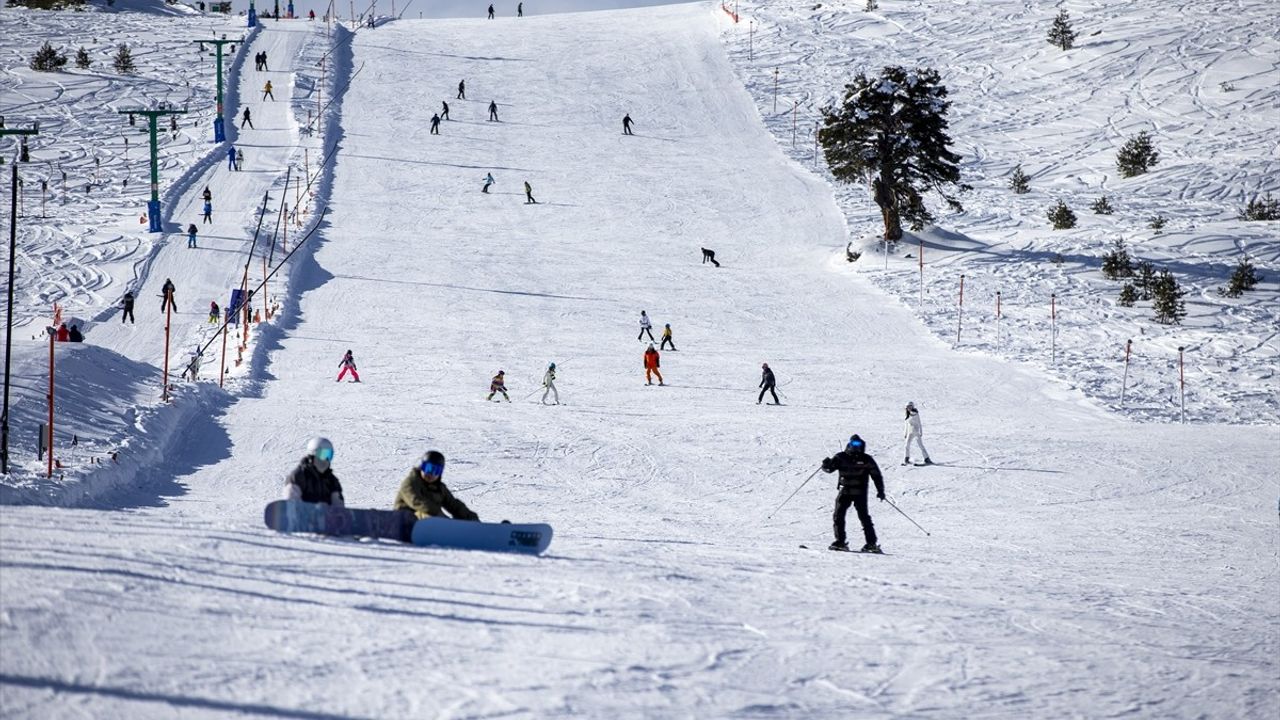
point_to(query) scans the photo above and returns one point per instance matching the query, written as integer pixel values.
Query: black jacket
(766, 378)
(316, 486)
(854, 469)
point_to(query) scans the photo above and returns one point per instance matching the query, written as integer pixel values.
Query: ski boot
(871, 548)
(906, 461)
(838, 545)
(927, 461)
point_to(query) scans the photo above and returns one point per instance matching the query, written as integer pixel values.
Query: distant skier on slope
(855, 467)
(214, 317)
(498, 385)
(348, 364)
(166, 295)
(231, 157)
(488, 180)
(549, 382)
(444, 110)
(666, 338)
(435, 124)
(246, 118)
(491, 11)
(528, 194)
(493, 111)
(767, 383)
(266, 92)
(645, 326)
(191, 235)
(626, 124)
(462, 90)
(193, 367)
(126, 308)
(313, 480)
(914, 431)
(651, 362)
(208, 211)
(424, 493)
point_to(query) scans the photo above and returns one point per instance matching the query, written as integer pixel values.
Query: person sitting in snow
(313, 480)
(424, 493)
(74, 334)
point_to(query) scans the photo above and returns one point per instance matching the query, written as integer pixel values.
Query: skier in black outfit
(462, 90)
(490, 12)
(444, 111)
(493, 111)
(855, 466)
(127, 304)
(435, 124)
(167, 296)
(767, 383)
(246, 119)
(626, 124)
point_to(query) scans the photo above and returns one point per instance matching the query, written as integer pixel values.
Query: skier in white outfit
(549, 382)
(913, 431)
(645, 327)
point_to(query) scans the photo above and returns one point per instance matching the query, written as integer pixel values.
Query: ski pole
(913, 522)
(793, 494)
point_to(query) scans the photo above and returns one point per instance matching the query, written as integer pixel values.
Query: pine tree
(1102, 206)
(1061, 34)
(1128, 295)
(1266, 208)
(1117, 264)
(1244, 278)
(1144, 279)
(1168, 306)
(1137, 156)
(1062, 217)
(123, 62)
(891, 130)
(871, 5)
(47, 59)
(1019, 182)
(82, 59)
(1157, 222)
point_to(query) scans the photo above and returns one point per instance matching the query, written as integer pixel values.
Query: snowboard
(298, 516)
(530, 539)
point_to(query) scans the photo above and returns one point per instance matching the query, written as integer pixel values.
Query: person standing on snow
(666, 338)
(767, 383)
(193, 367)
(490, 11)
(239, 160)
(528, 194)
(313, 480)
(266, 92)
(651, 363)
(206, 195)
(213, 312)
(444, 110)
(488, 180)
(519, 9)
(126, 305)
(913, 431)
(645, 326)
(435, 124)
(855, 467)
(498, 385)
(424, 493)
(231, 157)
(246, 119)
(166, 293)
(191, 235)
(493, 111)
(208, 211)
(549, 382)
(626, 124)
(348, 365)
(462, 90)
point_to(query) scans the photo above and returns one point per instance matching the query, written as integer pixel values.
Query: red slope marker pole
(1124, 382)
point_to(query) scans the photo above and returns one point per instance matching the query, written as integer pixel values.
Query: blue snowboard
(298, 516)
(467, 535)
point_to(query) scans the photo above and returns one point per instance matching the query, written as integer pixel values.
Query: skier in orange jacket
(651, 362)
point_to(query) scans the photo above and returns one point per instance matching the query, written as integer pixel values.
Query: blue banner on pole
(233, 307)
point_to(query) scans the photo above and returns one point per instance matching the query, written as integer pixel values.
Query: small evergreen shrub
(1117, 264)
(1243, 279)
(871, 5)
(1137, 156)
(1019, 182)
(1157, 222)
(123, 62)
(1062, 217)
(1102, 206)
(47, 59)
(1060, 33)
(1226, 87)
(1168, 306)
(82, 59)
(1267, 208)
(1144, 279)
(1128, 295)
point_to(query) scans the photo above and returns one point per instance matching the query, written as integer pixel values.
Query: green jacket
(430, 499)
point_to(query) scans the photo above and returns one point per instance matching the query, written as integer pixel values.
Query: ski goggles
(856, 445)
(325, 454)
(432, 468)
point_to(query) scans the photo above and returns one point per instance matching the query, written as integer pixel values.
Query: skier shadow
(420, 283)
(657, 137)
(175, 701)
(441, 164)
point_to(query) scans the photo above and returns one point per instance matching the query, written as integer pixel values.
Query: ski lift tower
(13, 253)
(219, 124)
(153, 206)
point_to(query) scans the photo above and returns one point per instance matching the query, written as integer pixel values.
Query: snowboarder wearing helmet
(313, 480)
(425, 494)
(498, 385)
(855, 467)
(913, 431)
(549, 382)
(767, 382)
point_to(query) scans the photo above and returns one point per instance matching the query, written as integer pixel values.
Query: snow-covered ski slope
(1203, 80)
(1079, 564)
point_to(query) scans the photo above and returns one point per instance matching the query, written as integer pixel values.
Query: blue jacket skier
(855, 467)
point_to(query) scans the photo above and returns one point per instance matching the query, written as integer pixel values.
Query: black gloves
(880, 496)
(827, 465)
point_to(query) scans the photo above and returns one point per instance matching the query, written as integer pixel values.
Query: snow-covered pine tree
(123, 62)
(1267, 208)
(1137, 156)
(1168, 306)
(871, 5)
(1128, 295)
(1102, 206)
(1060, 33)
(1157, 222)
(1244, 278)
(1116, 263)
(82, 59)
(1019, 182)
(1062, 217)
(48, 59)
(1144, 279)
(891, 130)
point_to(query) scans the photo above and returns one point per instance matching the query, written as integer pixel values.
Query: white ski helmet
(321, 450)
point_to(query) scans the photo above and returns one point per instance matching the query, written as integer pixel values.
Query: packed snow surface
(1078, 562)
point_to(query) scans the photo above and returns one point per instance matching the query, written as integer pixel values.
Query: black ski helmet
(856, 444)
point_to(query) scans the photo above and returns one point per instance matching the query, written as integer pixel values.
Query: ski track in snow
(1079, 563)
